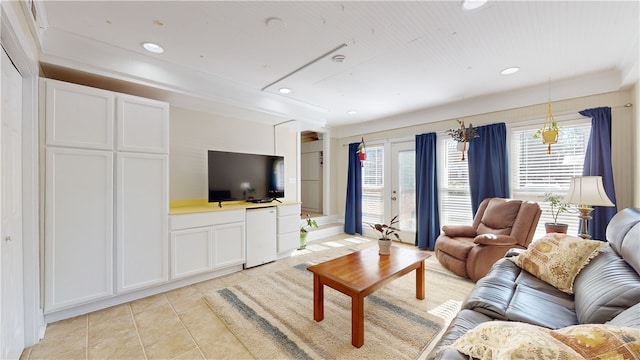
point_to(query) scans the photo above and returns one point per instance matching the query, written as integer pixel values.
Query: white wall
(192, 133)
(636, 148)
(624, 140)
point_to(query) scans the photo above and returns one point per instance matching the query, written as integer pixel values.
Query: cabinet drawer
(186, 221)
(287, 224)
(284, 210)
(288, 241)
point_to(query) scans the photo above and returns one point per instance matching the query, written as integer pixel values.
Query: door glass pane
(407, 190)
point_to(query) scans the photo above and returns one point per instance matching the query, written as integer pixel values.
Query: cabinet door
(142, 224)
(79, 116)
(228, 244)
(78, 244)
(143, 125)
(191, 251)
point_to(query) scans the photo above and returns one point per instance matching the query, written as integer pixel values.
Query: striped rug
(272, 314)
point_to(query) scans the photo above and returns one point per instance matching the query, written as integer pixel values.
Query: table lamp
(587, 191)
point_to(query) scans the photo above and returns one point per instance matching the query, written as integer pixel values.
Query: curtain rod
(572, 112)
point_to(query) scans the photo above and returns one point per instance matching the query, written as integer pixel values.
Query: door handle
(393, 198)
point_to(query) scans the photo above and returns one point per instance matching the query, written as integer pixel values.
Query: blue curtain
(488, 164)
(427, 200)
(597, 162)
(353, 210)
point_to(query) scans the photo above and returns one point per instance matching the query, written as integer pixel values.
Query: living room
(268, 129)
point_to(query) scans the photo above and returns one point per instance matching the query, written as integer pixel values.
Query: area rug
(272, 314)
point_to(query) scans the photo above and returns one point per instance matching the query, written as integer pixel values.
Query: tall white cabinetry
(106, 193)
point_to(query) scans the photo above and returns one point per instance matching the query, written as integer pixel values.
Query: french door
(388, 188)
(403, 189)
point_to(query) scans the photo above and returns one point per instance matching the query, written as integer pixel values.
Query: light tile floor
(172, 325)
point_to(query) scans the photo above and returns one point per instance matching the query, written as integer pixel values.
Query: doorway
(12, 338)
(403, 188)
(312, 173)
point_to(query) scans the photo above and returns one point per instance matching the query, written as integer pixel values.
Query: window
(534, 172)
(373, 186)
(455, 199)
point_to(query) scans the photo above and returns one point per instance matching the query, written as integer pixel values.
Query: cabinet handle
(8, 238)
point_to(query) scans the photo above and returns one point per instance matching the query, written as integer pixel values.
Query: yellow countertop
(190, 206)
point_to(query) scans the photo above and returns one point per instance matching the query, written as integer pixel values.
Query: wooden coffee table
(360, 274)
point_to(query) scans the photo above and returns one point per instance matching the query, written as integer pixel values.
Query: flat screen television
(242, 176)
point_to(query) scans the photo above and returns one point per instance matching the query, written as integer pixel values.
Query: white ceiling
(400, 56)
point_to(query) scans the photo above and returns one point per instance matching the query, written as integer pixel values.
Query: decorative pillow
(516, 340)
(558, 258)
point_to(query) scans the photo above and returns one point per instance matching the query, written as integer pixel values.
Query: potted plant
(463, 135)
(548, 133)
(557, 207)
(386, 231)
(307, 223)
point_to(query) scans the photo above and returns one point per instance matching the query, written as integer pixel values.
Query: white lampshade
(587, 191)
(245, 186)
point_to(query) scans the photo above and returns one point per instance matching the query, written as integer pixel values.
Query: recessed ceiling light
(154, 48)
(284, 90)
(472, 4)
(510, 70)
(352, 112)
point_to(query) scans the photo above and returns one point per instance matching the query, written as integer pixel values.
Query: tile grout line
(186, 328)
(86, 343)
(135, 325)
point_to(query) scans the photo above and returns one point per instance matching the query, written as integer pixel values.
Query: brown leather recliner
(499, 225)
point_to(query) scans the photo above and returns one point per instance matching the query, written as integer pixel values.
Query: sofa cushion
(459, 231)
(623, 233)
(628, 318)
(499, 216)
(558, 258)
(511, 340)
(605, 288)
(493, 239)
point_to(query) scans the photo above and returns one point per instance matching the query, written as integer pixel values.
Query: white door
(403, 189)
(78, 244)
(143, 212)
(11, 289)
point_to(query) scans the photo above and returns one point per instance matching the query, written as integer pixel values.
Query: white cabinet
(261, 236)
(228, 244)
(78, 116)
(191, 252)
(103, 238)
(78, 264)
(143, 125)
(288, 227)
(203, 242)
(142, 206)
